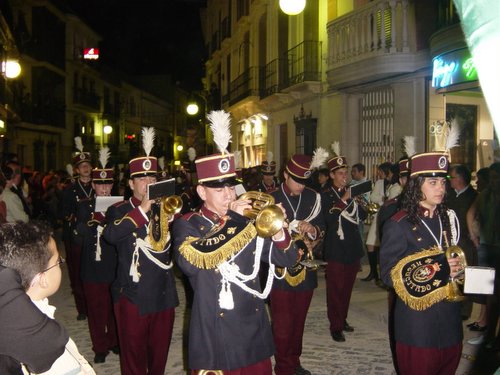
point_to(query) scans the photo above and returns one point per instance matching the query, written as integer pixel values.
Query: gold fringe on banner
(293, 280)
(212, 259)
(398, 278)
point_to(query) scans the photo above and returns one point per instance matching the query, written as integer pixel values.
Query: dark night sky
(149, 36)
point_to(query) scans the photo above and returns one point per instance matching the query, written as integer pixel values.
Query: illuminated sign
(91, 53)
(452, 68)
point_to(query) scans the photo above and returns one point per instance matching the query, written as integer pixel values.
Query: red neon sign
(91, 53)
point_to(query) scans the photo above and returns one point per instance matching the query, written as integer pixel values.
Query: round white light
(192, 109)
(292, 7)
(11, 68)
(180, 148)
(108, 129)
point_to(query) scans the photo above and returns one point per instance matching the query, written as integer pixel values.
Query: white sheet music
(479, 280)
(102, 203)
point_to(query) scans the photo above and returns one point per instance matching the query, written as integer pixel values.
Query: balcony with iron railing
(244, 86)
(86, 98)
(300, 64)
(375, 41)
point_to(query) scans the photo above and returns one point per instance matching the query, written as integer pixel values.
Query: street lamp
(11, 68)
(192, 109)
(292, 7)
(108, 129)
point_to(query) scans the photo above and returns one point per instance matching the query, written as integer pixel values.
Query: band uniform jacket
(342, 220)
(98, 263)
(301, 208)
(268, 189)
(155, 290)
(439, 326)
(223, 339)
(71, 195)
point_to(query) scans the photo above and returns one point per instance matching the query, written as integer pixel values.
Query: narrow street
(366, 350)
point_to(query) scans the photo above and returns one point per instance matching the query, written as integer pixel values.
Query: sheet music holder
(102, 203)
(161, 189)
(361, 188)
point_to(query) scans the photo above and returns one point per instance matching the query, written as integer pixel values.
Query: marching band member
(268, 183)
(428, 329)
(144, 292)
(98, 264)
(291, 296)
(218, 249)
(79, 189)
(343, 246)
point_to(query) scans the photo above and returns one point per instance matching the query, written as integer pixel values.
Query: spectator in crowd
(15, 210)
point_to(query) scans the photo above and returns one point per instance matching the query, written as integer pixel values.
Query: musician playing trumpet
(291, 296)
(427, 328)
(217, 248)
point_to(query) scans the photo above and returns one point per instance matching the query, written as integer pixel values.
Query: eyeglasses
(59, 261)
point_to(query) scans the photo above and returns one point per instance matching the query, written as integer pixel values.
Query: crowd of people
(121, 258)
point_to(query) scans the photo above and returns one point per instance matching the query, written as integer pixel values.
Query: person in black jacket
(343, 246)
(218, 249)
(98, 265)
(427, 328)
(144, 292)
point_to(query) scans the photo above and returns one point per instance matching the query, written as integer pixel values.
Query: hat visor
(229, 181)
(102, 182)
(143, 174)
(431, 174)
(302, 181)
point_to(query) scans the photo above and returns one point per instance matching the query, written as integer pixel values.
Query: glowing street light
(108, 129)
(192, 109)
(292, 7)
(11, 68)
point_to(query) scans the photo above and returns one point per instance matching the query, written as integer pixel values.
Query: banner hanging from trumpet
(421, 279)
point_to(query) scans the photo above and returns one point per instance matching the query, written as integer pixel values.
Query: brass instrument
(370, 207)
(308, 260)
(161, 212)
(456, 284)
(267, 216)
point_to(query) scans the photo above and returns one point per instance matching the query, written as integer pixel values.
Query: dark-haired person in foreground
(428, 333)
(28, 336)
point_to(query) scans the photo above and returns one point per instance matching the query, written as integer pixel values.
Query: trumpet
(161, 212)
(370, 207)
(267, 216)
(456, 284)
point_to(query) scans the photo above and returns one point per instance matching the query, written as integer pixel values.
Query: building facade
(355, 71)
(65, 91)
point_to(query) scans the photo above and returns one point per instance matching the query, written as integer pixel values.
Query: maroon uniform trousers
(431, 361)
(340, 280)
(288, 329)
(144, 339)
(73, 259)
(264, 367)
(102, 325)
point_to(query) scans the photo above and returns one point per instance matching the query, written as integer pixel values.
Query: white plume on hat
(148, 139)
(409, 145)
(191, 154)
(69, 169)
(237, 159)
(79, 144)
(269, 156)
(336, 148)
(161, 162)
(104, 155)
(220, 124)
(319, 157)
(453, 136)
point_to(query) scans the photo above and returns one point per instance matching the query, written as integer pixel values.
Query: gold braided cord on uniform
(397, 277)
(224, 252)
(293, 280)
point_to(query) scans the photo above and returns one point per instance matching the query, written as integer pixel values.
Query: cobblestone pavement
(366, 350)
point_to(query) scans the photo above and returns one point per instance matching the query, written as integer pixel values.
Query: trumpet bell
(455, 286)
(171, 205)
(269, 221)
